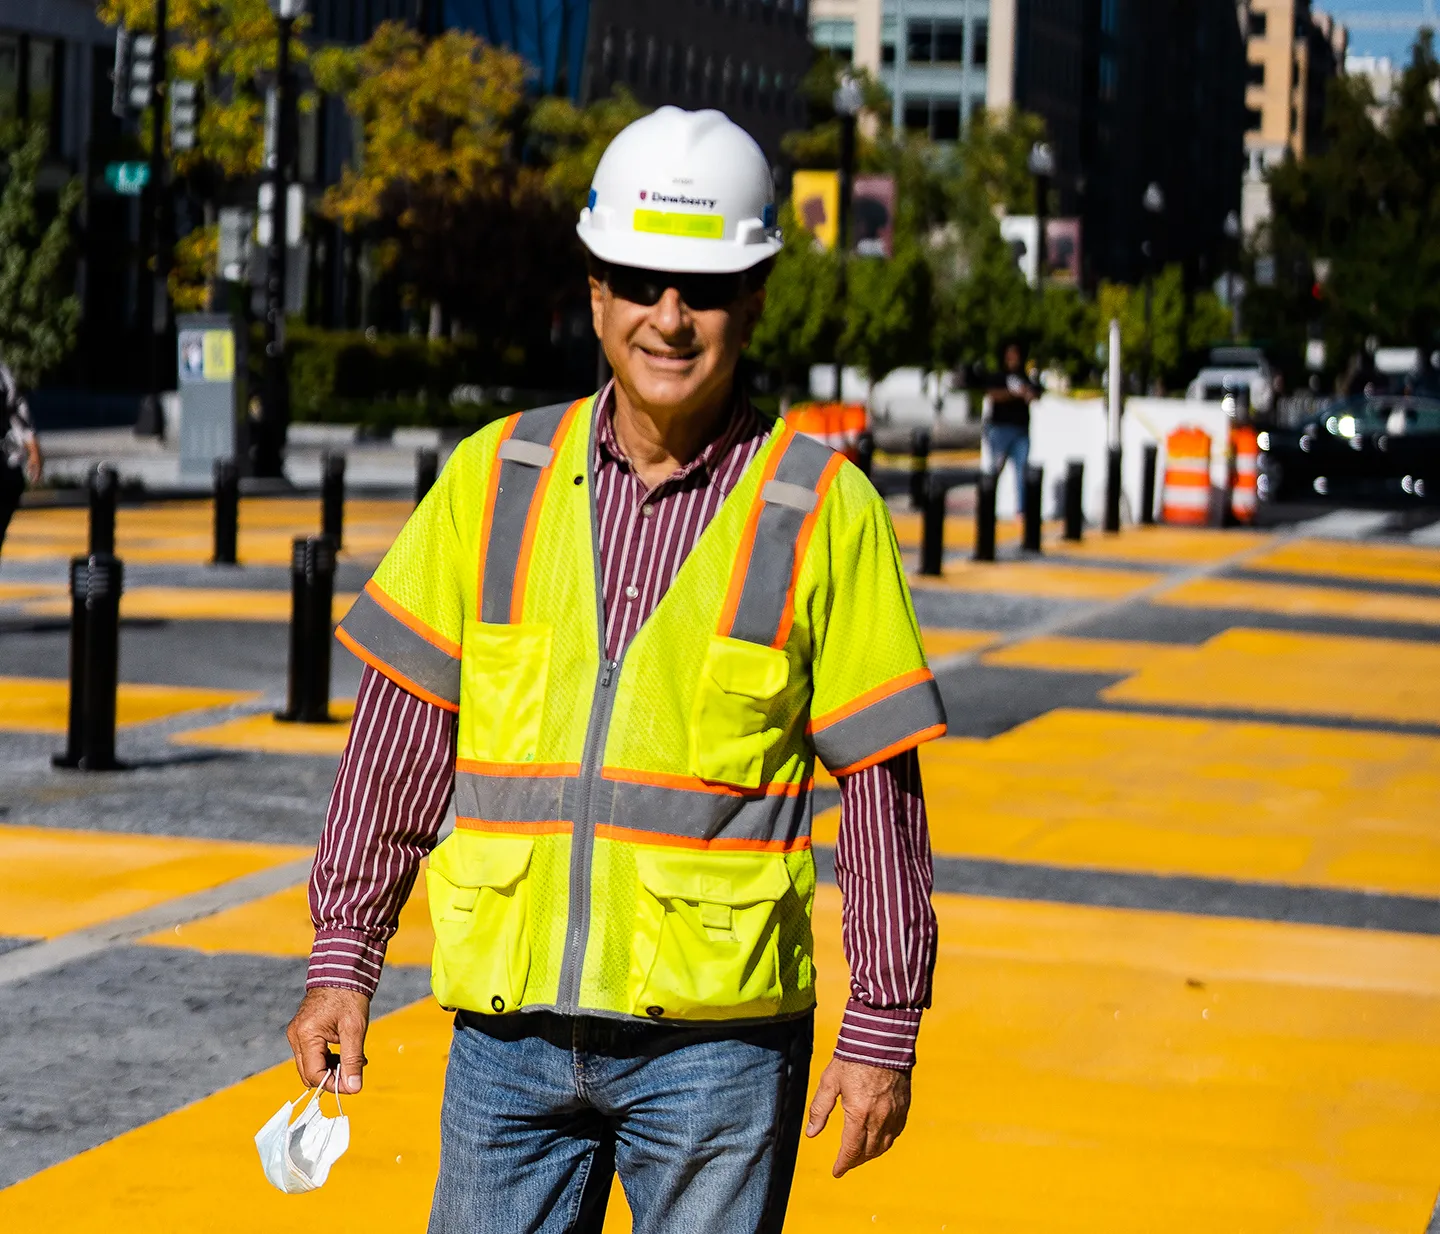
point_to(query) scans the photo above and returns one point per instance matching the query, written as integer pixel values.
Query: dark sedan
(1374, 447)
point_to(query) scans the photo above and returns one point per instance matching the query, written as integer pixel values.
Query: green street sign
(127, 179)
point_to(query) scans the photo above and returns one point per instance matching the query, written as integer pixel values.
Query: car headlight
(1262, 440)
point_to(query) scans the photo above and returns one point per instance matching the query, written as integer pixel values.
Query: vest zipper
(582, 842)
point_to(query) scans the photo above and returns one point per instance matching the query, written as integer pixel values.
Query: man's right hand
(330, 1016)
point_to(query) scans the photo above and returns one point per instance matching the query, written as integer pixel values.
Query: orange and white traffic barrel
(1187, 477)
(838, 425)
(1245, 451)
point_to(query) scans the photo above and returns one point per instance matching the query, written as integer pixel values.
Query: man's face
(679, 351)
(1012, 358)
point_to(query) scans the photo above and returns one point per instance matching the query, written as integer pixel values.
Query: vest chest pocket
(732, 727)
(504, 670)
(707, 936)
(479, 890)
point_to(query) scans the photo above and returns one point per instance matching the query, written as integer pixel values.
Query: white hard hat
(682, 191)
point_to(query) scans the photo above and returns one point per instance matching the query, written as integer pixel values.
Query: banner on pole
(872, 216)
(816, 196)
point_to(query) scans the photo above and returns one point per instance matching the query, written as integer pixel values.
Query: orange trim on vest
(487, 514)
(898, 747)
(394, 675)
(532, 516)
(802, 544)
(548, 828)
(746, 548)
(893, 686)
(411, 622)
(628, 835)
(693, 784)
(517, 771)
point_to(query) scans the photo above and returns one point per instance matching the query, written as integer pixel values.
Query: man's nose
(671, 315)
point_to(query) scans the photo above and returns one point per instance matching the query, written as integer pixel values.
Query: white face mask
(297, 1156)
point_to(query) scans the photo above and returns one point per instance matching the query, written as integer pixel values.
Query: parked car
(1366, 447)
(1234, 367)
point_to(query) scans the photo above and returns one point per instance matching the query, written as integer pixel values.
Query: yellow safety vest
(633, 837)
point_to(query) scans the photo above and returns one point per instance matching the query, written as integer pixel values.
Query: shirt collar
(742, 424)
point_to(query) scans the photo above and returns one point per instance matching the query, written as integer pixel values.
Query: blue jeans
(542, 1110)
(1010, 441)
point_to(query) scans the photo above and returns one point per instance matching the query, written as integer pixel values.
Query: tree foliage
(571, 139)
(39, 316)
(801, 322)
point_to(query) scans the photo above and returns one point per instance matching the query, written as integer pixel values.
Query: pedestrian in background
(1008, 396)
(622, 632)
(20, 460)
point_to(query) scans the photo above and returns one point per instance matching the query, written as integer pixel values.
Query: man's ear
(597, 306)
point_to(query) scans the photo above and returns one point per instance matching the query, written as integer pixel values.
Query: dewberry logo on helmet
(723, 222)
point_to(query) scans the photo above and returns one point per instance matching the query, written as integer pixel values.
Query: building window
(1252, 119)
(712, 86)
(41, 94)
(917, 115)
(949, 42)
(1258, 25)
(1294, 119)
(1109, 78)
(727, 82)
(919, 42)
(1254, 74)
(835, 36)
(762, 89)
(747, 86)
(1109, 16)
(935, 42)
(1295, 75)
(652, 63)
(607, 55)
(945, 120)
(632, 58)
(980, 44)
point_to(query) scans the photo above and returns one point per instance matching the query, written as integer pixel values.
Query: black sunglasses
(700, 292)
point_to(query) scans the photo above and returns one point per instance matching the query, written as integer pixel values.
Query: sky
(1392, 43)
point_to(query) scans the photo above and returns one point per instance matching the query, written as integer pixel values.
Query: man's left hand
(876, 1102)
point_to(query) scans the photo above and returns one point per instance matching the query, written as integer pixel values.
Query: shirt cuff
(345, 960)
(879, 1036)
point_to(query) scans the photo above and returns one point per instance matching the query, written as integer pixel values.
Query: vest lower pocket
(479, 890)
(707, 936)
(504, 670)
(731, 729)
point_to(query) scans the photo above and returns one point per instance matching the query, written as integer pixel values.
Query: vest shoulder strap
(524, 460)
(760, 606)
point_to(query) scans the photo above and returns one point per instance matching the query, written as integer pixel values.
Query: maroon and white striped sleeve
(883, 867)
(386, 808)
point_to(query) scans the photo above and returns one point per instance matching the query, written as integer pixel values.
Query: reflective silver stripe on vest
(394, 643)
(772, 560)
(881, 725)
(520, 469)
(665, 811)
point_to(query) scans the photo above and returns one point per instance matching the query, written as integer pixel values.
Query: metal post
(842, 232)
(227, 512)
(332, 497)
(1149, 465)
(1112, 490)
(985, 517)
(104, 579)
(1034, 498)
(919, 466)
(157, 222)
(275, 417)
(427, 467)
(74, 733)
(932, 540)
(103, 486)
(320, 579)
(865, 452)
(1114, 409)
(1074, 503)
(297, 683)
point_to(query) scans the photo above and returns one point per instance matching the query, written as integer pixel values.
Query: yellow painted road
(267, 735)
(41, 704)
(1347, 603)
(53, 881)
(1060, 582)
(192, 604)
(1082, 1070)
(1366, 562)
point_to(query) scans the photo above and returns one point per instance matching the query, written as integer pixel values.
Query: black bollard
(1112, 490)
(74, 733)
(1148, 468)
(312, 591)
(227, 512)
(427, 467)
(919, 467)
(1074, 500)
(865, 452)
(103, 488)
(932, 539)
(985, 517)
(332, 497)
(1034, 513)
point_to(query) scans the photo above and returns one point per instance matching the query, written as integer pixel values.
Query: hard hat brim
(676, 254)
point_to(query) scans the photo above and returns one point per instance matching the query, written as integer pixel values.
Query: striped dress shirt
(397, 773)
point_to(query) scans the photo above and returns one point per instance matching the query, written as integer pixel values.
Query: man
(622, 631)
(1007, 423)
(20, 461)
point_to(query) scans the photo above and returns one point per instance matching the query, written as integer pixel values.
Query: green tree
(801, 322)
(571, 139)
(39, 314)
(887, 312)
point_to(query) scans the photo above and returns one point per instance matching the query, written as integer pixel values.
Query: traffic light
(184, 114)
(142, 71)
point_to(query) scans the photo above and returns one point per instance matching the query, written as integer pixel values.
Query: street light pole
(1154, 203)
(847, 101)
(158, 218)
(1042, 167)
(269, 450)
